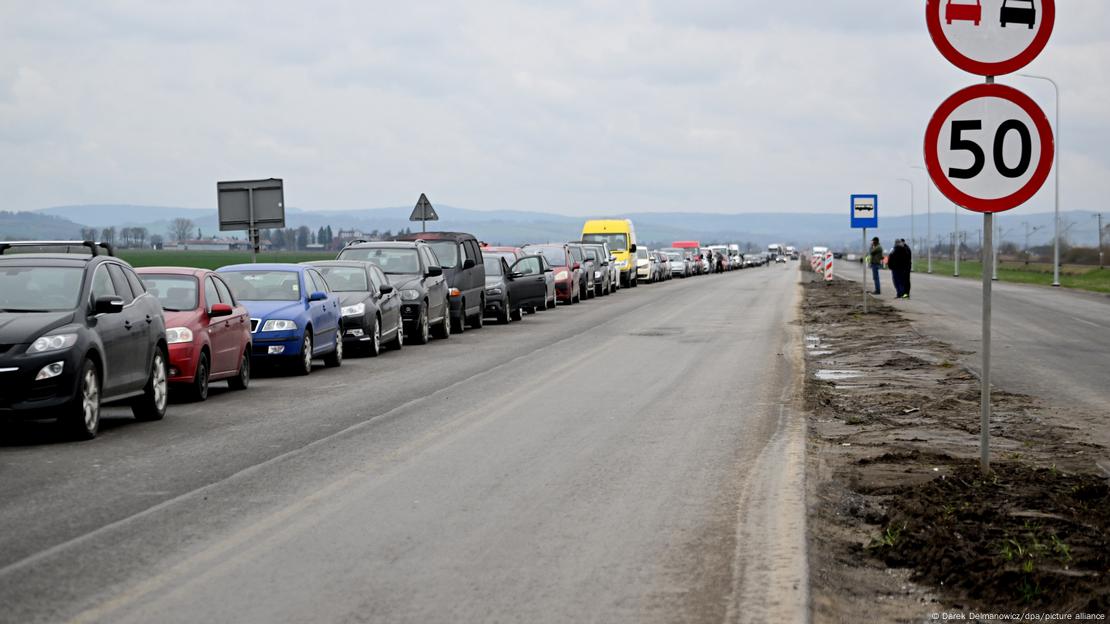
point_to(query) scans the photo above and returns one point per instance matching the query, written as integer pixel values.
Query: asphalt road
(632, 459)
(1048, 342)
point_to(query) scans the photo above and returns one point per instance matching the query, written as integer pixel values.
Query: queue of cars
(80, 328)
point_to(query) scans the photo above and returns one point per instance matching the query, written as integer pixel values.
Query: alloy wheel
(90, 400)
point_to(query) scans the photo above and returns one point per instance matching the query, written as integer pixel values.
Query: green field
(214, 259)
(1071, 275)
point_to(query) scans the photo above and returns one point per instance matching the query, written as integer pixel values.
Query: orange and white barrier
(828, 266)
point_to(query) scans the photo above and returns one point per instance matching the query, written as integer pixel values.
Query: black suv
(413, 269)
(460, 255)
(77, 329)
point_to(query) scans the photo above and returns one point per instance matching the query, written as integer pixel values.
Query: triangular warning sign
(423, 210)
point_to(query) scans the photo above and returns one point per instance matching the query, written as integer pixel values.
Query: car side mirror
(434, 271)
(109, 304)
(468, 264)
(577, 265)
(220, 309)
(515, 275)
(632, 248)
(385, 289)
(318, 296)
(549, 270)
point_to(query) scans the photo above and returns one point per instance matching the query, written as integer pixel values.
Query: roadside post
(250, 205)
(423, 212)
(828, 267)
(989, 148)
(865, 214)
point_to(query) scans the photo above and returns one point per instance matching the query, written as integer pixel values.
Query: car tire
(80, 419)
(554, 302)
(505, 317)
(335, 358)
(423, 331)
(478, 321)
(398, 341)
(374, 349)
(303, 364)
(198, 390)
(458, 325)
(242, 380)
(151, 405)
(518, 314)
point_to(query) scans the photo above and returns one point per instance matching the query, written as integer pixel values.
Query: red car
(567, 272)
(208, 331)
(963, 12)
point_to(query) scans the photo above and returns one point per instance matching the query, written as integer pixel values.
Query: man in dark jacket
(899, 263)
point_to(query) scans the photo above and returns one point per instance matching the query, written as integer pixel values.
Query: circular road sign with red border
(990, 37)
(989, 148)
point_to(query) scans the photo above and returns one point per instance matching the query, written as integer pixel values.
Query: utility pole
(929, 214)
(1028, 233)
(956, 239)
(1099, 216)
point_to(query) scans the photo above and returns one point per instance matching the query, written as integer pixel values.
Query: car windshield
(617, 242)
(675, 256)
(493, 264)
(447, 251)
(592, 254)
(642, 254)
(345, 279)
(556, 256)
(393, 261)
(264, 285)
(39, 289)
(176, 292)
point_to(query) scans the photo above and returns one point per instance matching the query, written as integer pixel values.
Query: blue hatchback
(294, 315)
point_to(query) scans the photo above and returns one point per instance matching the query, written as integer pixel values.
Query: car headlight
(175, 335)
(562, 275)
(354, 310)
(56, 342)
(279, 325)
(410, 295)
(493, 291)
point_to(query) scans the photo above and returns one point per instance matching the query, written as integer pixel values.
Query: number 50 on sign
(989, 148)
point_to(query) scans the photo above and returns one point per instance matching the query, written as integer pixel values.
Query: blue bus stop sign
(865, 211)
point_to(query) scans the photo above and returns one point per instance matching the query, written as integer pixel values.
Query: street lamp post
(1056, 243)
(928, 214)
(1029, 232)
(912, 193)
(956, 238)
(1099, 216)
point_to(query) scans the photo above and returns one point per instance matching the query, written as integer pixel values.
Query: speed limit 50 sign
(990, 37)
(989, 148)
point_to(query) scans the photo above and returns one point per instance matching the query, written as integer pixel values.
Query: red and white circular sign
(990, 37)
(989, 148)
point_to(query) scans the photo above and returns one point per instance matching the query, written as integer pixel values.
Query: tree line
(182, 229)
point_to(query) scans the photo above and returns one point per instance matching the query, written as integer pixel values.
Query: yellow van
(621, 237)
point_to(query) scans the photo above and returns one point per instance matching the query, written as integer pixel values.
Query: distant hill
(36, 226)
(515, 227)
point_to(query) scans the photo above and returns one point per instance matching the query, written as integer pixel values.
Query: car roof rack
(93, 248)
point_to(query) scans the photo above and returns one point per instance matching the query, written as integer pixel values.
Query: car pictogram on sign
(1019, 12)
(963, 12)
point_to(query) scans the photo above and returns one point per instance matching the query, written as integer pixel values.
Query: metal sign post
(865, 214)
(423, 212)
(250, 205)
(959, 137)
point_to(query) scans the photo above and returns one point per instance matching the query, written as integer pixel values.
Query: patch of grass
(1080, 277)
(214, 259)
(889, 537)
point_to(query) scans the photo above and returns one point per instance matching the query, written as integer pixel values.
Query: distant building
(213, 244)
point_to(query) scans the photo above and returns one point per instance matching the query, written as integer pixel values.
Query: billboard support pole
(985, 377)
(252, 233)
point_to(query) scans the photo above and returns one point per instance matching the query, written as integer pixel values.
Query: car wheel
(518, 314)
(304, 363)
(151, 405)
(478, 321)
(375, 339)
(199, 389)
(551, 304)
(335, 358)
(459, 325)
(81, 417)
(504, 316)
(446, 324)
(243, 379)
(398, 338)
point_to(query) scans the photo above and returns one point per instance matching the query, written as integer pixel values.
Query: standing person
(876, 259)
(907, 270)
(898, 264)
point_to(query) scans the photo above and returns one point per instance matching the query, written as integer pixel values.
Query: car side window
(429, 256)
(137, 287)
(225, 292)
(528, 266)
(123, 289)
(102, 284)
(473, 251)
(211, 295)
(319, 283)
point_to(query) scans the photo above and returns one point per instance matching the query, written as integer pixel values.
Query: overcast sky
(561, 106)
